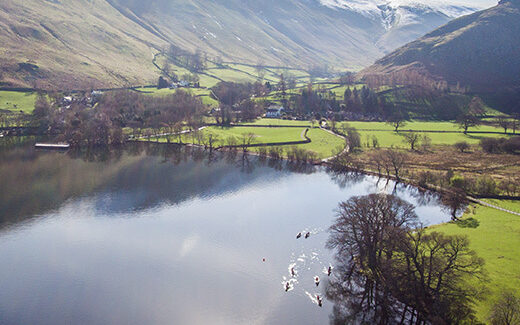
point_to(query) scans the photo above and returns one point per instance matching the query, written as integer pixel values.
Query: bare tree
(515, 122)
(177, 130)
(375, 142)
(455, 201)
(397, 120)
(394, 161)
(426, 143)
(391, 271)
(231, 141)
(332, 124)
(412, 138)
(462, 146)
(504, 122)
(506, 311)
(212, 140)
(469, 118)
(247, 140)
(352, 136)
(282, 85)
(431, 278)
(364, 234)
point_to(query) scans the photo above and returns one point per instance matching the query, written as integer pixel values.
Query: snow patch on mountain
(402, 12)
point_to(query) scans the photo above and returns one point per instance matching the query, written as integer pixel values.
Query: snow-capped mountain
(397, 13)
(479, 51)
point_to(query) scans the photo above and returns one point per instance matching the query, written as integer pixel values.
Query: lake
(157, 234)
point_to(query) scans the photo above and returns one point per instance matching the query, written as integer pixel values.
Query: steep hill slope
(72, 43)
(481, 50)
(102, 43)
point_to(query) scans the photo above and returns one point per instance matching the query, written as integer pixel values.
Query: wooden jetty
(52, 146)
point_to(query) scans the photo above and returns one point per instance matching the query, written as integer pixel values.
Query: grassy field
(387, 137)
(497, 240)
(204, 94)
(231, 75)
(506, 204)
(322, 143)
(262, 135)
(17, 101)
(390, 138)
(421, 126)
(269, 121)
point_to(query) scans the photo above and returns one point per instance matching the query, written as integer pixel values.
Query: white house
(274, 112)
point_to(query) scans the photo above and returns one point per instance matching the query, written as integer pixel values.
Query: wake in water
(316, 298)
(300, 268)
(289, 284)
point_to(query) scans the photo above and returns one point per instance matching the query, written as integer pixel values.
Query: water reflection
(36, 182)
(154, 234)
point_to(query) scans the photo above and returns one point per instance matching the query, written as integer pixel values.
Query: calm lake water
(157, 235)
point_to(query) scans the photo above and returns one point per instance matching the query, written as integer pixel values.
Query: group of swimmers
(316, 279)
(307, 235)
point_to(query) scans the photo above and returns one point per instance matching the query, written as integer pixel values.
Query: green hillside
(113, 43)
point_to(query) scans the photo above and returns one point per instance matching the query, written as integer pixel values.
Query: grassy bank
(16, 101)
(388, 139)
(279, 122)
(496, 238)
(323, 143)
(505, 204)
(261, 135)
(442, 126)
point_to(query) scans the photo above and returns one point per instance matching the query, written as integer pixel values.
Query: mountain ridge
(103, 43)
(479, 52)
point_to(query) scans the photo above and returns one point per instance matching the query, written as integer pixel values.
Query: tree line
(103, 124)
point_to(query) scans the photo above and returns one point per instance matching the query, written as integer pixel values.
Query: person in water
(307, 235)
(317, 281)
(320, 303)
(293, 272)
(329, 271)
(287, 286)
(299, 235)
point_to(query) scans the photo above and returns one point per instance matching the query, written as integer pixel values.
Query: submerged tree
(365, 235)
(390, 271)
(455, 201)
(431, 275)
